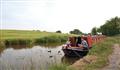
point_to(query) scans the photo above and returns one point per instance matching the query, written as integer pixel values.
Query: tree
(94, 31)
(76, 31)
(58, 31)
(111, 27)
(98, 30)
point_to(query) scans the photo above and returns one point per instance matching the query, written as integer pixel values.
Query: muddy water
(35, 58)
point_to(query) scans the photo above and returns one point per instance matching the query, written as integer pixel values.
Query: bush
(51, 39)
(17, 42)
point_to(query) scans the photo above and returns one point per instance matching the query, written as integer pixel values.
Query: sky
(53, 15)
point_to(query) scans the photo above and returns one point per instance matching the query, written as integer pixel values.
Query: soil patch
(85, 60)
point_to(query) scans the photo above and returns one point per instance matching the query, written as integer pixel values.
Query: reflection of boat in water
(75, 52)
(69, 60)
(75, 47)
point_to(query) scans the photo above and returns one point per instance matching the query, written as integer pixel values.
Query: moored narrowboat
(75, 52)
(74, 49)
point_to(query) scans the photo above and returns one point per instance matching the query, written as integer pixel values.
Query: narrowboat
(73, 50)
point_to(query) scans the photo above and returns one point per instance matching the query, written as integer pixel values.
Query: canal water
(34, 58)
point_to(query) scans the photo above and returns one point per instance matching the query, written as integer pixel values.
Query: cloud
(52, 15)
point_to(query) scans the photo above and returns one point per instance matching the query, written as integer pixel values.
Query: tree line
(110, 28)
(75, 31)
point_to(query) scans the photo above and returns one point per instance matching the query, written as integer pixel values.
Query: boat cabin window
(78, 41)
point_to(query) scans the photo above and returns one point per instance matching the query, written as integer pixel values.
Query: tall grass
(102, 50)
(51, 39)
(23, 37)
(24, 34)
(16, 42)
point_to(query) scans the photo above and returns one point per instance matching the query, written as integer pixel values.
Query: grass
(60, 67)
(102, 50)
(51, 39)
(23, 37)
(14, 37)
(25, 34)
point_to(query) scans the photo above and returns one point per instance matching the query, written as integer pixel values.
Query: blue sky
(53, 15)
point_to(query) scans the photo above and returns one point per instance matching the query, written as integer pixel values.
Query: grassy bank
(61, 67)
(24, 34)
(14, 37)
(101, 50)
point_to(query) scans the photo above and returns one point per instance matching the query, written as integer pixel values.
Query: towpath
(114, 59)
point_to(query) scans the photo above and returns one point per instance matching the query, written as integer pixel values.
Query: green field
(13, 37)
(25, 34)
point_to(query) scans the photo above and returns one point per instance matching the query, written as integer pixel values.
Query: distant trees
(94, 31)
(75, 31)
(58, 31)
(98, 30)
(111, 27)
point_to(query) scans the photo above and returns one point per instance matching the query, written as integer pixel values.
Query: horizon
(53, 15)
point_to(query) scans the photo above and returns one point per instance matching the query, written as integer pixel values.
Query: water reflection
(37, 58)
(69, 60)
(17, 46)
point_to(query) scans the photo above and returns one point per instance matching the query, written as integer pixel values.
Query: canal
(38, 57)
